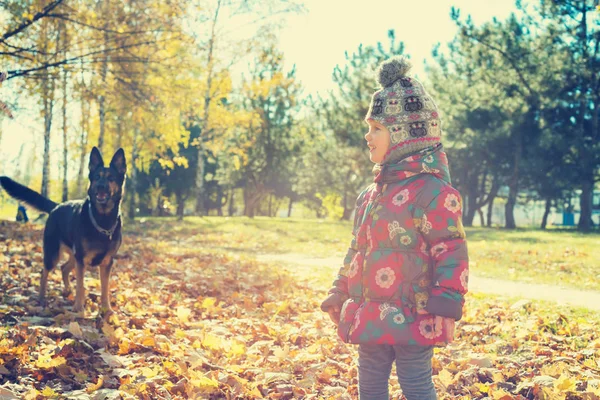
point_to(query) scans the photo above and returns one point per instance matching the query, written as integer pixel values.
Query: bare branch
(102, 29)
(27, 23)
(16, 73)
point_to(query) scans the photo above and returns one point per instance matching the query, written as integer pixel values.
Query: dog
(88, 230)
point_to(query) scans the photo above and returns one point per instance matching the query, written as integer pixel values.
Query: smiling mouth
(372, 149)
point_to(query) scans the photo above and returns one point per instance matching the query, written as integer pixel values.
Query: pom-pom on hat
(404, 107)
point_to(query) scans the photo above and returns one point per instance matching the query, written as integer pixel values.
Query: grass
(553, 257)
(566, 258)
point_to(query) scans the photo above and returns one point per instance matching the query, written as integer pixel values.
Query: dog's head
(106, 183)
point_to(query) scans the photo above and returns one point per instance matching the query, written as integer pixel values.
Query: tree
(517, 63)
(343, 111)
(578, 36)
(216, 44)
(261, 149)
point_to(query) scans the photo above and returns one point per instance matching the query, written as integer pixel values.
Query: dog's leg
(79, 288)
(66, 269)
(51, 253)
(43, 285)
(105, 308)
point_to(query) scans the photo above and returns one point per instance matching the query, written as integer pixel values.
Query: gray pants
(413, 366)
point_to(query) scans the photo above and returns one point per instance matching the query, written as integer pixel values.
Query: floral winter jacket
(408, 254)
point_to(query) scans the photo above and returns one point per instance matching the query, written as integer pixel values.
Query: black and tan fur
(88, 231)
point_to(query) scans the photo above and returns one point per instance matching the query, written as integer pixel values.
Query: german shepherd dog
(88, 231)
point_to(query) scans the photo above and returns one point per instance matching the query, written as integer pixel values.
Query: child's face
(378, 140)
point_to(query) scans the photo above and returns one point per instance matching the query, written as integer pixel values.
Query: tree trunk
(509, 209)
(119, 143)
(347, 210)
(471, 186)
(270, 211)
(585, 203)
(491, 197)
(290, 207)
(133, 174)
(546, 213)
(65, 193)
(220, 201)
(180, 204)
(251, 200)
(481, 218)
(207, 100)
(200, 179)
(103, 73)
(490, 210)
(231, 208)
(469, 214)
(48, 101)
(83, 139)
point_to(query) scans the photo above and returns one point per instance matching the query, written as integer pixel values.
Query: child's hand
(334, 314)
(449, 324)
(333, 306)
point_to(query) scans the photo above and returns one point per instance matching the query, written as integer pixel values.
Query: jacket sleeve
(340, 284)
(441, 226)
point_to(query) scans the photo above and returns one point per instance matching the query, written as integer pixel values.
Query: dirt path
(560, 295)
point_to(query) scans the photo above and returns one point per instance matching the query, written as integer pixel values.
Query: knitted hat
(403, 106)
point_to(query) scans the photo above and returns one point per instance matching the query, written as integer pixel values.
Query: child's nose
(368, 136)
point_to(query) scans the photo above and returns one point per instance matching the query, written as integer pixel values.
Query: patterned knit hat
(403, 106)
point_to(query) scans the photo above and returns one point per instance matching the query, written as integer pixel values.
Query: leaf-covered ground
(208, 321)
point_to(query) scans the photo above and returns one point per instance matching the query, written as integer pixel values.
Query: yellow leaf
(483, 388)
(565, 384)
(45, 362)
(282, 353)
(209, 302)
(212, 342)
(93, 387)
(148, 341)
(49, 392)
(150, 372)
(32, 394)
(183, 313)
(237, 349)
(207, 385)
(446, 377)
(124, 346)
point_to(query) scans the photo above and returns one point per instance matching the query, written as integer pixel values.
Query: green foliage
(338, 159)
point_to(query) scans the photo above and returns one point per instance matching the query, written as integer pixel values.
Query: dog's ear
(96, 159)
(118, 162)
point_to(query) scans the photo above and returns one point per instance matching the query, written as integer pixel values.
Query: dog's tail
(26, 195)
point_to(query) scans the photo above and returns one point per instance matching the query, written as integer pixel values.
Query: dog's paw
(77, 308)
(106, 313)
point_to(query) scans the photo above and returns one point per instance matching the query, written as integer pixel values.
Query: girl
(402, 284)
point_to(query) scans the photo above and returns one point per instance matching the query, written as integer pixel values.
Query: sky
(315, 42)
